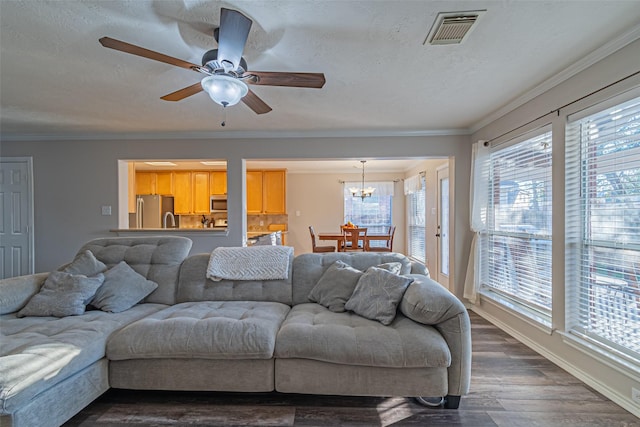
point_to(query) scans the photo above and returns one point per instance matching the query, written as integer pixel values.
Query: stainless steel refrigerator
(151, 210)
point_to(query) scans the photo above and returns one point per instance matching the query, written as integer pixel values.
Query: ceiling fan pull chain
(224, 116)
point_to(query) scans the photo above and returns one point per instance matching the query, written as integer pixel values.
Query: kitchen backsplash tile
(254, 222)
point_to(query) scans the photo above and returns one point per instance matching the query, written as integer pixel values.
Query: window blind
(416, 207)
(603, 227)
(373, 212)
(515, 248)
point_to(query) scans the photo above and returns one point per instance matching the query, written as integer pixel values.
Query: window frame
(506, 295)
(583, 160)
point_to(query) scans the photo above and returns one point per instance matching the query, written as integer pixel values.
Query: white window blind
(515, 251)
(603, 227)
(416, 207)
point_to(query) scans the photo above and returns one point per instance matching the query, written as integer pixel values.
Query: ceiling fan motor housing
(210, 60)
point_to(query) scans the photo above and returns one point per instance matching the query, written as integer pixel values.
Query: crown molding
(233, 135)
(597, 55)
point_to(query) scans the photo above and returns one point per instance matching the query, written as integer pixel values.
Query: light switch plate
(106, 210)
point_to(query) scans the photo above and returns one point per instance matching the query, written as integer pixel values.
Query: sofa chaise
(299, 333)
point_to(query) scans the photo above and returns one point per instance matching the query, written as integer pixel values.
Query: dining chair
(388, 244)
(317, 248)
(355, 239)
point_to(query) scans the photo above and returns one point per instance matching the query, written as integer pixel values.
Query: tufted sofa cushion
(206, 329)
(156, 258)
(311, 331)
(308, 268)
(39, 352)
(194, 285)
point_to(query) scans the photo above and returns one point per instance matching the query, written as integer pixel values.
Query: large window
(372, 212)
(603, 226)
(515, 254)
(416, 220)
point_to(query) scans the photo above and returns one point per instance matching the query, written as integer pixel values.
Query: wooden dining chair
(317, 248)
(388, 244)
(355, 239)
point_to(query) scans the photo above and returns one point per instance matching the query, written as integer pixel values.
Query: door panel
(16, 219)
(442, 273)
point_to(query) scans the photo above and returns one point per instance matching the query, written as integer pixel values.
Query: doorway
(16, 217)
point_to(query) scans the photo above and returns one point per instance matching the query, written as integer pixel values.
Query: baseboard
(622, 400)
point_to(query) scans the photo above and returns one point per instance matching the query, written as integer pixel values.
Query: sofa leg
(451, 402)
(432, 402)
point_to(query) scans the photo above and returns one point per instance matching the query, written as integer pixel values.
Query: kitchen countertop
(260, 233)
(212, 230)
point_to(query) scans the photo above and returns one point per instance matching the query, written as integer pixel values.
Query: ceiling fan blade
(272, 78)
(183, 93)
(145, 53)
(234, 30)
(254, 102)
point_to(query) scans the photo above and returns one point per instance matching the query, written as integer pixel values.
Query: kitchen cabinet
(154, 183)
(266, 191)
(218, 183)
(146, 183)
(164, 183)
(183, 193)
(274, 190)
(201, 192)
(254, 192)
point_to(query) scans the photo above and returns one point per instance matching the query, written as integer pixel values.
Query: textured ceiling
(57, 81)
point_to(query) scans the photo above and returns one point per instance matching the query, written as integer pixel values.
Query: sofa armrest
(15, 292)
(429, 303)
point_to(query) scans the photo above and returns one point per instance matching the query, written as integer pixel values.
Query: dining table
(339, 238)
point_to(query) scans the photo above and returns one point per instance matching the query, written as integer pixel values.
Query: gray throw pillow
(394, 267)
(335, 286)
(63, 294)
(123, 288)
(377, 295)
(86, 264)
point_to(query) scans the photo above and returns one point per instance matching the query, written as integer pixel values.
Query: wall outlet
(261, 223)
(635, 395)
(106, 210)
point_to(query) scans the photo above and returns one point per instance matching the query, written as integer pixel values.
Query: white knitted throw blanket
(249, 263)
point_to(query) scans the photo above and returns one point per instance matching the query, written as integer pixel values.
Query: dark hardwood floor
(511, 386)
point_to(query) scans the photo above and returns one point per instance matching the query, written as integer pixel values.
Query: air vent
(453, 27)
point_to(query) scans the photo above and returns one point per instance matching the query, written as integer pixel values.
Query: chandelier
(362, 192)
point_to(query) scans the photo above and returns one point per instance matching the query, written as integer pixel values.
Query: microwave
(218, 204)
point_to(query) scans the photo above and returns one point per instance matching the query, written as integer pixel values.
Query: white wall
(73, 179)
(608, 376)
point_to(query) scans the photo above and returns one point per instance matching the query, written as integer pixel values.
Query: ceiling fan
(225, 68)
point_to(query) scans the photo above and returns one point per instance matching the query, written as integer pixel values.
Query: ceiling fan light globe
(224, 90)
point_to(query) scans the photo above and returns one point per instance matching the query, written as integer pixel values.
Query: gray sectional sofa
(192, 333)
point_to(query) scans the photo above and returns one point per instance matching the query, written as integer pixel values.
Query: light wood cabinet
(164, 183)
(218, 183)
(154, 183)
(254, 192)
(183, 193)
(266, 192)
(274, 190)
(201, 193)
(145, 183)
(266, 189)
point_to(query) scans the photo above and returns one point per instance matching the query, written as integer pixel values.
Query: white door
(16, 217)
(442, 234)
